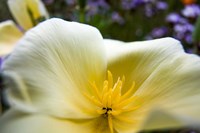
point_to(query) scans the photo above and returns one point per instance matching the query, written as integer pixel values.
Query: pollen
(110, 101)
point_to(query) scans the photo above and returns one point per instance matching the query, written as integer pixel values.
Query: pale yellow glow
(110, 101)
(10, 34)
(57, 62)
(27, 13)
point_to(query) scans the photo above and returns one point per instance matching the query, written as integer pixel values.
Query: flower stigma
(110, 101)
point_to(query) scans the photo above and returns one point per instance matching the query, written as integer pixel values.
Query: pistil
(110, 100)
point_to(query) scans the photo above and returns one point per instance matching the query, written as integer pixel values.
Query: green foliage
(196, 33)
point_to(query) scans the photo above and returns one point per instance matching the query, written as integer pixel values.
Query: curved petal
(174, 86)
(112, 46)
(52, 66)
(159, 119)
(16, 122)
(37, 8)
(43, 11)
(27, 12)
(164, 75)
(9, 35)
(137, 60)
(19, 11)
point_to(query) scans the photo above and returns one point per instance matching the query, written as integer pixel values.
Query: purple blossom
(173, 18)
(1, 61)
(117, 18)
(179, 28)
(191, 11)
(128, 4)
(149, 11)
(183, 28)
(99, 3)
(159, 32)
(188, 38)
(184, 32)
(190, 28)
(131, 4)
(161, 5)
(92, 10)
(183, 20)
(97, 6)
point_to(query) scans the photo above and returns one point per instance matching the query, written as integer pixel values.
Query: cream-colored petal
(164, 74)
(159, 119)
(9, 35)
(137, 60)
(37, 8)
(112, 46)
(174, 86)
(16, 122)
(27, 12)
(18, 8)
(52, 67)
(43, 11)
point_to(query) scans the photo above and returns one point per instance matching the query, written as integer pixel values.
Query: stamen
(117, 89)
(110, 123)
(131, 108)
(110, 101)
(105, 88)
(128, 92)
(110, 79)
(92, 99)
(93, 85)
(125, 102)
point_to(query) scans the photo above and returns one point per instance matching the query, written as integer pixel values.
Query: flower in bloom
(116, 17)
(191, 11)
(10, 34)
(97, 7)
(27, 13)
(175, 18)
(67, 78)
(159, 32)
(131, 4)
(161, 5)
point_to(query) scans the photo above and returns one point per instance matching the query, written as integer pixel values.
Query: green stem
(82, 15)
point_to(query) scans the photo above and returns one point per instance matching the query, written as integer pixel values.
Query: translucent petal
(137, 60)
(165, 76)
(43, 11)
(16, 122)
(9, 35)
(27, 12)
(112, 46)
(52, 67)
(37, 7)
(19, 11)
(159, 119)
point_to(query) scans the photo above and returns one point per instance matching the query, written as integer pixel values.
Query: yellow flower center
(110, 101)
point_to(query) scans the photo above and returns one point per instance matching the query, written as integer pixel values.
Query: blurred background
(130, 20)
